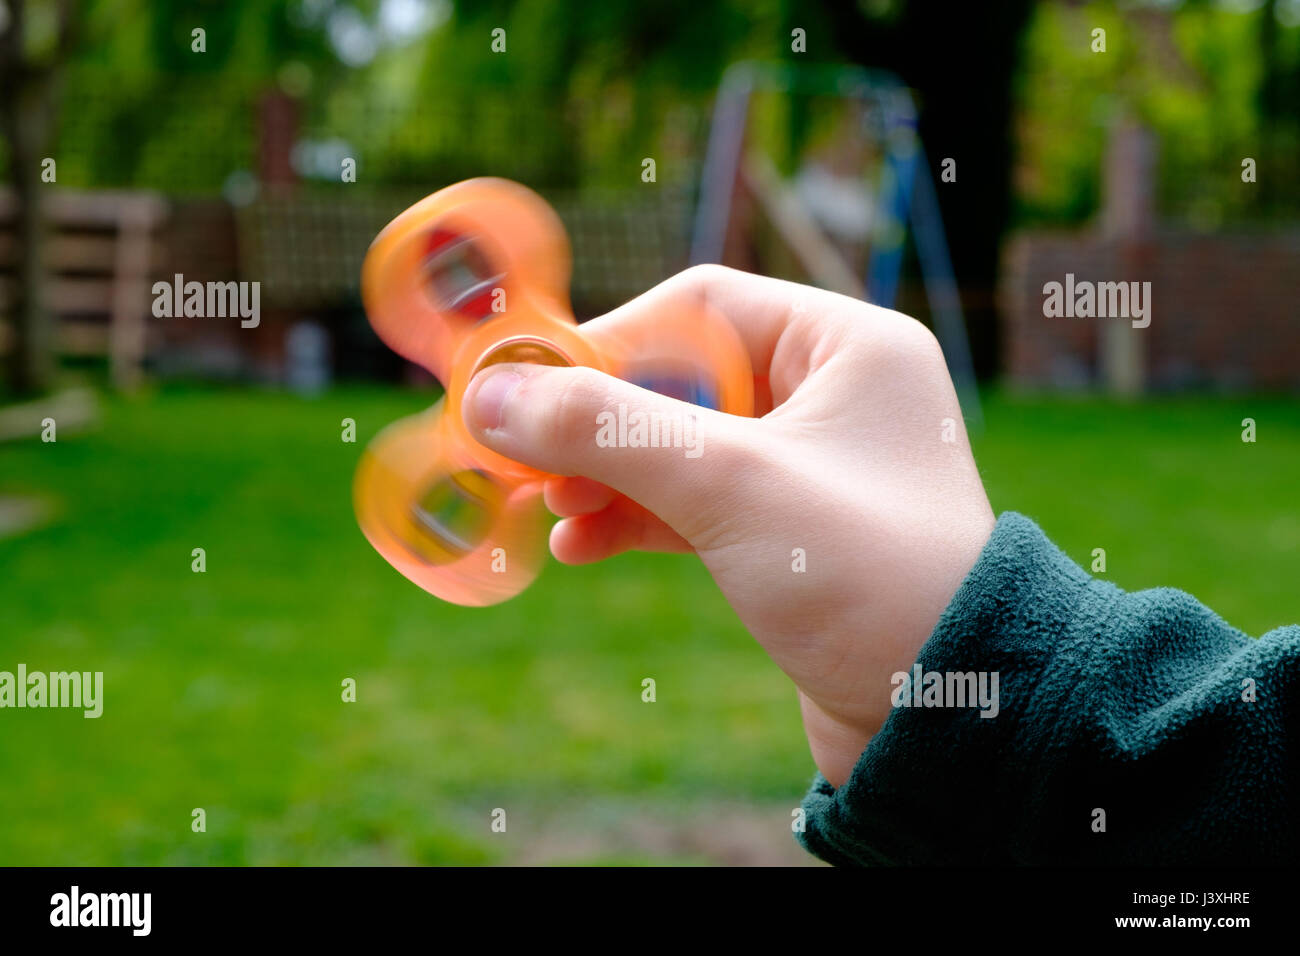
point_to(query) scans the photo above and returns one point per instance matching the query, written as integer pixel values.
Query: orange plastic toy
(474, 275)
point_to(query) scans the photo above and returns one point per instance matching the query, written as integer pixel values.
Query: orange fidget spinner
(475, 275)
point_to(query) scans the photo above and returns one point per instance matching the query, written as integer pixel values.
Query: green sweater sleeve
(1130, 728)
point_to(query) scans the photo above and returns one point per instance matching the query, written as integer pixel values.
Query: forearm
(1128, 711)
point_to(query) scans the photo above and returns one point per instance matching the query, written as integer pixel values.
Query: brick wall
(1225, 309)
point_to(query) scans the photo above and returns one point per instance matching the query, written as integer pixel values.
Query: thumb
(674, 458)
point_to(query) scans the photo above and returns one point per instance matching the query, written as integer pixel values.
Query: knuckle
(698, 279)
(915, 340)
(903, 341)
(702, 273)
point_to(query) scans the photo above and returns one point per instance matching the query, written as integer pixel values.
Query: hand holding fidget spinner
(475, 275)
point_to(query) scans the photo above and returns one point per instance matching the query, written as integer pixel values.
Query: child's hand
(849, 463)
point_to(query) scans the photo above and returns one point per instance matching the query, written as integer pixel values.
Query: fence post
(1127, 226)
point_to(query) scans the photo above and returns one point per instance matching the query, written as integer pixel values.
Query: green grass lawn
(223, 688)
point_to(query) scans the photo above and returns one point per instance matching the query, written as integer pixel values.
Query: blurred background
(948, 159)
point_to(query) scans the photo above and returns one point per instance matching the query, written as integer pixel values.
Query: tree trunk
(26, 116)
(31, 359)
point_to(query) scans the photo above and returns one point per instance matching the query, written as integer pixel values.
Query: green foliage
(582, 93)
(142, 109)
(588, 88)
(1194, 75)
